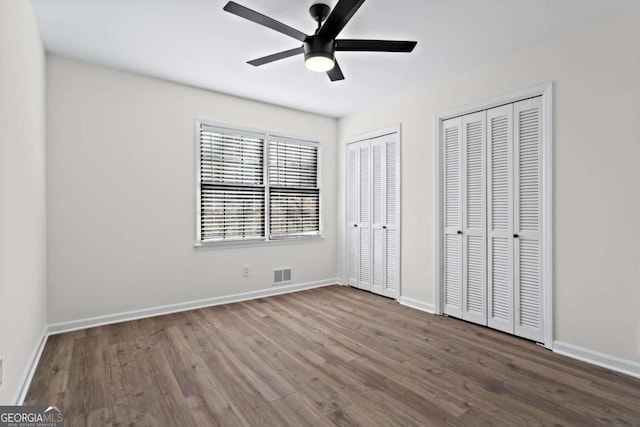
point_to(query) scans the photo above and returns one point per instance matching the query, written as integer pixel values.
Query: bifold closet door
(353, 214)
(378, 215)
(373, 215)
(514, 219)
(452, 204)
(385, 232)
(500, 218)
(492, 209)
(474, 243)
(364, 215)
(392, 215)
(465, 284)
(527, 219)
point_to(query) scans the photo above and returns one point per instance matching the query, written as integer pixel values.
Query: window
(293, 188)
(254, 186)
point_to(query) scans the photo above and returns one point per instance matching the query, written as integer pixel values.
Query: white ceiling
(195, 42)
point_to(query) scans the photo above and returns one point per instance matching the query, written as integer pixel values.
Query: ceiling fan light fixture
(320, 62)
(318, 54)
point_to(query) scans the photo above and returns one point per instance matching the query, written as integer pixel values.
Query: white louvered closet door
(527, 219)
(378, 190)
(452, 201)
(364, 215)
(392, 215)
(492, 207)
(474, 242)
(500, 218)
(385, 203)
(353, 214)
(373, 215)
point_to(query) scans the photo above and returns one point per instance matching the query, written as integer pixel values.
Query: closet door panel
(527, 219)
(364, 215)
(352, 215)
(378, 200)
(392, 282)
(452, 201)
(352, 257)
(391, 227)
(500, 218)
(378, 255)
(474, 283)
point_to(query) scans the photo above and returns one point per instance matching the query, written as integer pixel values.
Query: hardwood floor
(325, 357)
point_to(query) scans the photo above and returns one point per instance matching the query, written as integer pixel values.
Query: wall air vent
(281, 276)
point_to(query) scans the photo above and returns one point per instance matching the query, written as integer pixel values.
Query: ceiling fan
(319, 49)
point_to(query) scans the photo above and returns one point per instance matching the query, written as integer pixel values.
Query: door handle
(459, 232)
(384, 226)
(355, 225)
(516, 236)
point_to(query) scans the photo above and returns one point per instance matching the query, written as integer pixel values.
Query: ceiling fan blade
(276, 56)
(340, 15)
(258, 18)
(374, 45)
(335, 73)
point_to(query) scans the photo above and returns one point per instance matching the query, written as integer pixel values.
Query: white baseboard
(599, 359)
(30, 370)
(418, 305)
(74, 325)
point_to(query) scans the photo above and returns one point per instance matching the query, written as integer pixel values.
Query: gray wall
(23, 291)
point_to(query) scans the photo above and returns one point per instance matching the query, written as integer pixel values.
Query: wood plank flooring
(333, 356)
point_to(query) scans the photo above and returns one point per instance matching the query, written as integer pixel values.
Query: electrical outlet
(245, 271)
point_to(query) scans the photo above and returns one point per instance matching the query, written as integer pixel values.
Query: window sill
(258, 243)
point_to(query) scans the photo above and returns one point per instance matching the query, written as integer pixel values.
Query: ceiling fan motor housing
(316, 46)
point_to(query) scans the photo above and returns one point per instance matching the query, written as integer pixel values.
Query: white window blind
(236, 186)
(232, 190)
(293, 188)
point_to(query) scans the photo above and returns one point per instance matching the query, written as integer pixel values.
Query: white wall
(23, 292)
(596, 198)
(121, 185)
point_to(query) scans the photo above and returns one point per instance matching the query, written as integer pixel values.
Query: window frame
(266, 240)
